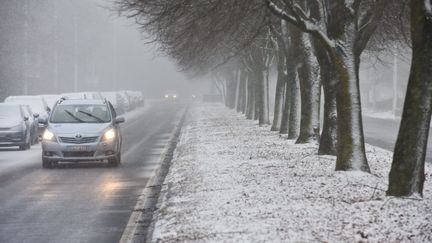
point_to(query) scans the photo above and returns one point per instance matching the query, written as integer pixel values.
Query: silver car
(82, 130)
(14, 126)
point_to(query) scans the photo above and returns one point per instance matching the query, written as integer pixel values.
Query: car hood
(6, 122)
(82, 128)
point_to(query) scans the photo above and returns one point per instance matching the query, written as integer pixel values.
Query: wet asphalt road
(82, 202)
(383, 133)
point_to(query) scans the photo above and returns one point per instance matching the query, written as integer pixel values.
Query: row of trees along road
(315, 45)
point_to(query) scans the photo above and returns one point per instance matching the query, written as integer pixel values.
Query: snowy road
(81, 202)
(383, 132)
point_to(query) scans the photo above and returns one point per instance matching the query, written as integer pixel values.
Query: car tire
(28, 144)
(35, 139)
(115, 162)
(46, 164)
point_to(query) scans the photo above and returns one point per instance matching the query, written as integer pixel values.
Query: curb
(139, 226)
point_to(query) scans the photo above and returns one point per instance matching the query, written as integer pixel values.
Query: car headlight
(166, 96)
(175, 96)
(110, 134)
(48, 135)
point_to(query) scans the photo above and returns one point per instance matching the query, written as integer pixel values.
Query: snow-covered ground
(232, 181)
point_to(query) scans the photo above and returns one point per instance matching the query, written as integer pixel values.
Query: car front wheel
(115, 162)
(46, 163)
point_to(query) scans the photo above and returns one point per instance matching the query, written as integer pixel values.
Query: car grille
(78, 141)
(78, 154)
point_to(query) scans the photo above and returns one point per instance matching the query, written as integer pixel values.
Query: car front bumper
(53, 151)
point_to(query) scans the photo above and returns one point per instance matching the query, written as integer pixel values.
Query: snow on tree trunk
(328, 139)
(407, 173)
(310, 89)
(280, 91)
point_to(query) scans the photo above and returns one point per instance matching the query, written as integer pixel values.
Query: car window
(82, 113)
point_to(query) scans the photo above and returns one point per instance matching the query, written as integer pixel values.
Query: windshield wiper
(73, 116)
(91, 115)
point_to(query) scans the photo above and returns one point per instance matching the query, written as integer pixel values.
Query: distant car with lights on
(82, 130)
(171, 95)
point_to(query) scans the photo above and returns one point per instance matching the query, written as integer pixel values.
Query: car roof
(10, 104)
(82, 102)
(24, 97)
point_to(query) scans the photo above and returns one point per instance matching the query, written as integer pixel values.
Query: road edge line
(140, 220)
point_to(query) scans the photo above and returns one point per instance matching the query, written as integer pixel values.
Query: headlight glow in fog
(110, 134)
(48, 135)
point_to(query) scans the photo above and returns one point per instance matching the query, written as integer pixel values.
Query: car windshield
(82, 113)
(9, 111)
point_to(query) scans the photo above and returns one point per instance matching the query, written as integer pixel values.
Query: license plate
(78, 148)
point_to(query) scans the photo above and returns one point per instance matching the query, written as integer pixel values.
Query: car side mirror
(48, 110)
(35, 115)
(119, 120)
(43, 121)
(26, 118)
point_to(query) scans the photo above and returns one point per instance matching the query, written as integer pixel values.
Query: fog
(57, 46)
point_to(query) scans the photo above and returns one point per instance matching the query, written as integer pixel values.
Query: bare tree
(407, 173)
(344, 34)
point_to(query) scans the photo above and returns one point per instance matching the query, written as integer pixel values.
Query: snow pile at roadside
(233, 181)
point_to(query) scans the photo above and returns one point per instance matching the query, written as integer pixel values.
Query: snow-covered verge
(233, 181)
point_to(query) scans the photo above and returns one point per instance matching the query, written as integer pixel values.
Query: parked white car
(50, 99)
(116, 100)
(82, 95)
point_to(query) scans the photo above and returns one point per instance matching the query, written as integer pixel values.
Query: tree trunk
(256, 97)
(246, 92)
(286, 107)
(290, 119)
(350, 147)
(328, 139)
(241, 92)
(407, 174)
(263, 117)
(280, 91)
(250, 111)
(310, 90)
(294, 113)
(231, 84)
